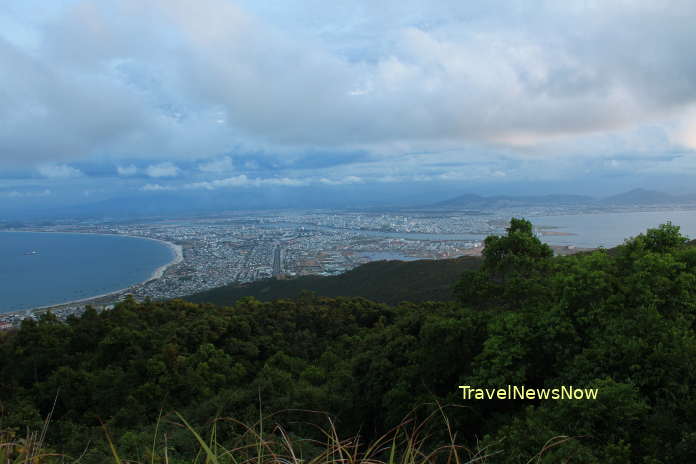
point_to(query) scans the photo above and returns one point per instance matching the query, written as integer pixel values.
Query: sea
(612, 228)
(41, 269)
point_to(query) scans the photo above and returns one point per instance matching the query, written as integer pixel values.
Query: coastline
(159, 272)
(177, 250)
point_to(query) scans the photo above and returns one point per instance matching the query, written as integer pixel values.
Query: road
(277, 267)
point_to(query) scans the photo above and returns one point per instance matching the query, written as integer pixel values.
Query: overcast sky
(104, 98)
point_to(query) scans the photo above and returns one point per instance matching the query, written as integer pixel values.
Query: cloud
(162, 170)
(505, 81)
(223, 164)
(282, 182)
(504, 78)
(27, 194)
(285, 91)
(344, 181)
(244, 181)
(684, 132)
(237, 181)
(155, 188)
(129, 170)
(58, 171)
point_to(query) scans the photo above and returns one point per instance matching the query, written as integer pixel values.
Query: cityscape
(245, 248)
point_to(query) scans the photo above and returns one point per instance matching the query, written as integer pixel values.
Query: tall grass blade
(204, 445)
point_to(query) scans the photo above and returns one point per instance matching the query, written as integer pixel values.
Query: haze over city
(315, 104)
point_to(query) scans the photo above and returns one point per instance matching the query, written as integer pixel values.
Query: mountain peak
(640, 195)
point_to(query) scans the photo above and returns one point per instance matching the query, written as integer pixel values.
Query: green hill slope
(383, 281)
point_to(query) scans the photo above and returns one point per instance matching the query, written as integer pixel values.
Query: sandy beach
(178, 257)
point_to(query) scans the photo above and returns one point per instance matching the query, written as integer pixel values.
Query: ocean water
(611, 229)
(69, 267)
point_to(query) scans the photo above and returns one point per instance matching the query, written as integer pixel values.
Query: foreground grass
(408, 443)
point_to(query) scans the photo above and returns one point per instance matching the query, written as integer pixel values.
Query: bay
(610, 229)
(41, 269)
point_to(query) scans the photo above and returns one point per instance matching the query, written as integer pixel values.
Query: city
(245, 248)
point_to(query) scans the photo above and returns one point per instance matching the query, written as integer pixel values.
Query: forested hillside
(383, 281)
(620, 322)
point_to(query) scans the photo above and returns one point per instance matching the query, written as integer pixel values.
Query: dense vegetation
(622, 322)
(388, 282)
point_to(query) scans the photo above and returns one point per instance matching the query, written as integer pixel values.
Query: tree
(511, 264)
(516, 252)
(661, 240)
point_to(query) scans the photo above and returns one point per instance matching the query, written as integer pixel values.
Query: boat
(32, 252)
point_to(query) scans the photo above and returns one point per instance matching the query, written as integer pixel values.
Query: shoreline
(177, 250)
(159, 272)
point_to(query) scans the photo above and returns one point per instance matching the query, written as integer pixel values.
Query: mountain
(471, 201)
(179, 204)
(151, 204)
(383, 281)
(635, 197)
(643, 197)
(185, 203)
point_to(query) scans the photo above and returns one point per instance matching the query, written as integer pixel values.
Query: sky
(344, 99)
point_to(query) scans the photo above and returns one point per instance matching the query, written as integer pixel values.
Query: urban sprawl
(245, 248)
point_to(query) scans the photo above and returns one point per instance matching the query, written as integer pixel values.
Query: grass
(408, 443)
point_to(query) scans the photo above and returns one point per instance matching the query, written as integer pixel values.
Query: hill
(382, 281)
(635, 197)
(471, 201)
(643, 197)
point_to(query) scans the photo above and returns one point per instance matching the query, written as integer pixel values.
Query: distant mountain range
(178, 204)
(635, 197)
(472, 201)
(647, 197)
